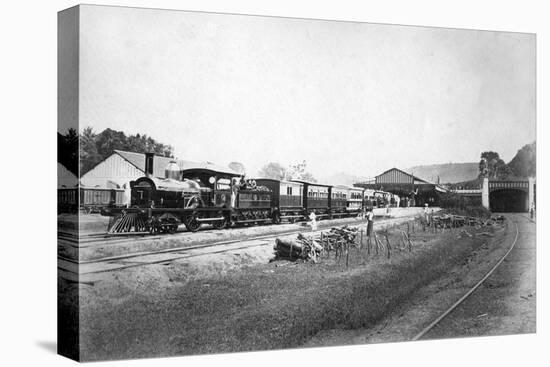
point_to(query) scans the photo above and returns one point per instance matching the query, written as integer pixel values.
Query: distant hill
(448, 172)
(341, 178)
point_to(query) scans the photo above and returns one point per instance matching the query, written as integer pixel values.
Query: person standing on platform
(313, 221)
(234, 192)
(370, 221)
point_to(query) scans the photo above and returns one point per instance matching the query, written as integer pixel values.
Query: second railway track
(461, 300)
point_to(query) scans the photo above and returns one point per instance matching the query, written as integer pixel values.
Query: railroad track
(91, 240)
(469, 292)
(115, 263)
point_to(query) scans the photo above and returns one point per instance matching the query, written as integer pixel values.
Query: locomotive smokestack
(149, 158)
(172, 171)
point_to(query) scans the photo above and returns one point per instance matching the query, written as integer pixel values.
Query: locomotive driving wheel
(220, 224)
(192, 224)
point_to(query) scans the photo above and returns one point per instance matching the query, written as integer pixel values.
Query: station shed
(410, 189)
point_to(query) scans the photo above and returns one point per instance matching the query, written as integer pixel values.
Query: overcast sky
(353, 97)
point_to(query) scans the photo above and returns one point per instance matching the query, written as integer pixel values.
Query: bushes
(451, 200)
(464, 205)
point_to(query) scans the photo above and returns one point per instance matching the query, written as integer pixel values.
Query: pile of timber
(301, 248)
(455, 221)
(341, 236)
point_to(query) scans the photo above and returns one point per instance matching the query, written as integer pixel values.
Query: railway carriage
(286, 199)
(338, 200)
(316, 198)
(88, 199)
(369, 200)
(355, 202)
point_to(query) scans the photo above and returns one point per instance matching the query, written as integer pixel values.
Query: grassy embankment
(258, 307)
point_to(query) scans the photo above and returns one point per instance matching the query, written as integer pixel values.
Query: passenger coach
(287, 201)
(316, 198)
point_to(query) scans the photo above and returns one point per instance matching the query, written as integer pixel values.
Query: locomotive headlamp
(212, 179)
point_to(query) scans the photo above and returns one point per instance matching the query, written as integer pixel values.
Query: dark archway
(508, 200)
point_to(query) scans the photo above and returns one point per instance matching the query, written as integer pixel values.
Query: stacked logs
(302, 248)
(344, 234)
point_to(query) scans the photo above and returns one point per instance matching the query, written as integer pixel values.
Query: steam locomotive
(221, 198)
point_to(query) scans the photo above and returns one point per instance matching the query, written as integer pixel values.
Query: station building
(411, 190)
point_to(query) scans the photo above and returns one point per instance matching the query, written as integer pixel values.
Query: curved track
(469, 292)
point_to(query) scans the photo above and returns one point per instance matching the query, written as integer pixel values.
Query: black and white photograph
(242, 183)
(234, 183)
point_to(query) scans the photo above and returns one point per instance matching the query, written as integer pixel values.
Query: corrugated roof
(406, 173)
(160, 163)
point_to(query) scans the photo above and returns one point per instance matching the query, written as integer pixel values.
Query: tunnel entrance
(508, 200)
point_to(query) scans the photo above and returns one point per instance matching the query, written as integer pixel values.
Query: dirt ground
(505, 304)
(242, 302)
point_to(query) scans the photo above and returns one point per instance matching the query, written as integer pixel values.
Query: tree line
(95, 147)
(523, 165)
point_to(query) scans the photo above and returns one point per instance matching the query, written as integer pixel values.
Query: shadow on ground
(48, 345)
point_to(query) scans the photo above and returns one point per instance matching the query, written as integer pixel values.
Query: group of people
(240, 184)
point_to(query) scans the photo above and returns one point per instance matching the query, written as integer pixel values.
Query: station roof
(399, 178)
(397, 170)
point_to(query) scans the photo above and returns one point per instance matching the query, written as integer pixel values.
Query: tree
(493, 167)
(67, 150)
(307, 176)
(96, 147)
(298, 172)
(524, 163)
(89, 156)
(237, 167)
(273, 170)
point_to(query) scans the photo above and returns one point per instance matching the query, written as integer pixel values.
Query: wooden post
(389, 245)
(410, 243)
(347, 255)
(290, 250)
(368, 244)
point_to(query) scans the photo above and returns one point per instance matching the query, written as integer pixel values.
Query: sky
(346, 97)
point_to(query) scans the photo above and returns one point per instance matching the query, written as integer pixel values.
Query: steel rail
(119, 241)
(188, 248)
(164, 260)
(467, 294)
(195, 247)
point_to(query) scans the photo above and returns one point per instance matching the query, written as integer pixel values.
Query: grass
(264, 306)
